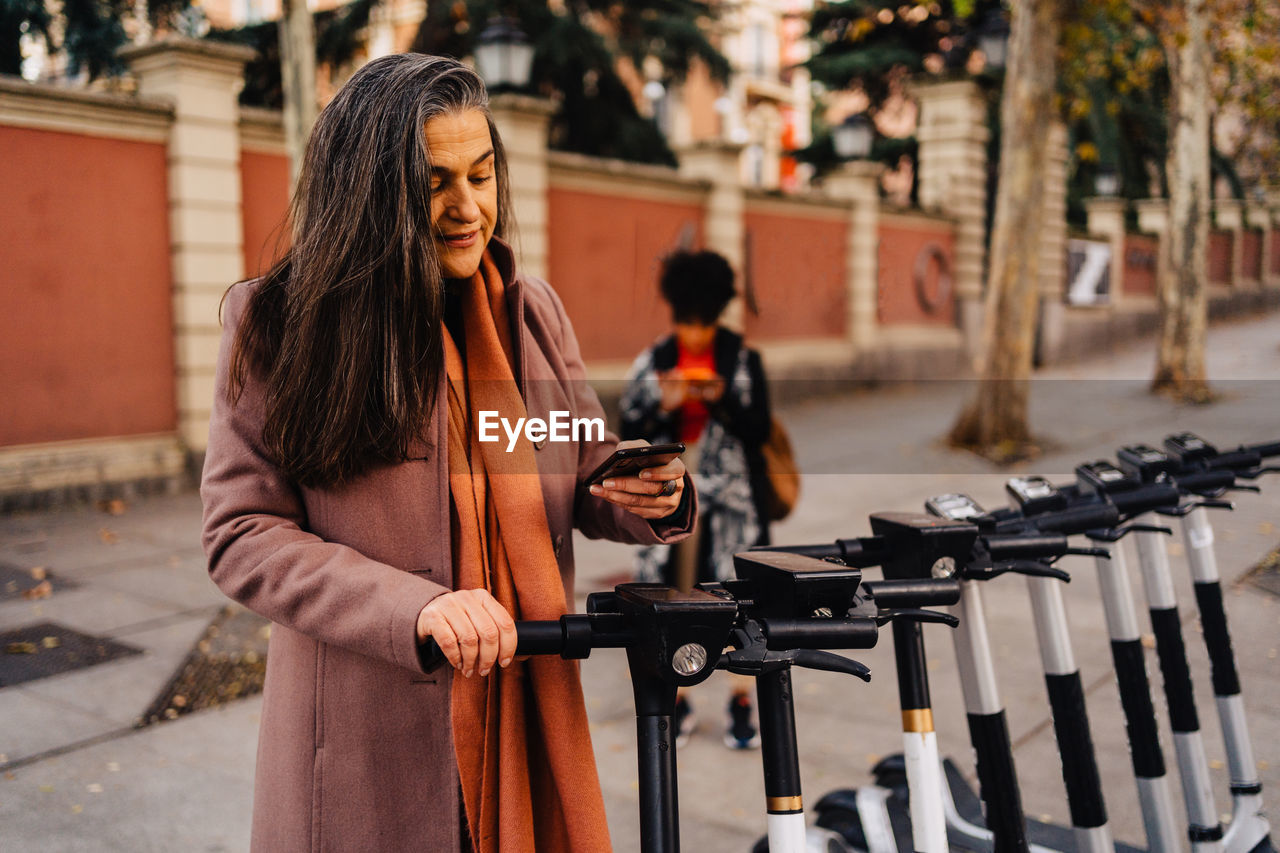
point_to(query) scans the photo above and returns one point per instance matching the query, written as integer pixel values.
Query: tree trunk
(298, 79)
(994, 423)
(1184, 309)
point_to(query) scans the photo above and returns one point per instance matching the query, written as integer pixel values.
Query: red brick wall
(908, 247)
(264, 191)
(1141, 255)
(603, 261)
(1220, 247)
(797, 266)
(1251, 255)
(86, 322)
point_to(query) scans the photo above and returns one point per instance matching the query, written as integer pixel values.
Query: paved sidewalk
(77, 775)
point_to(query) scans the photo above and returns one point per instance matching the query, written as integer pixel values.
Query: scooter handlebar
(1144, 499)
(570, 636)
(1206, 481)
(788, 634)
(1265, 449)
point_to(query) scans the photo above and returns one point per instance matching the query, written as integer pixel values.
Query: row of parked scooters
(791, 605)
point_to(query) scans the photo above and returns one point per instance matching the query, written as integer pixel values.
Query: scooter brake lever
(1255, 473)
(1033, 568)
(1243, 488)
(918, 615)
(813, 659)
(1114, 534)
(1213, 504)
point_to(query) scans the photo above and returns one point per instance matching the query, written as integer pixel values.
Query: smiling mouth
(460, 241)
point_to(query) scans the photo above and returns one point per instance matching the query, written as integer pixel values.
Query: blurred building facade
(130, 215)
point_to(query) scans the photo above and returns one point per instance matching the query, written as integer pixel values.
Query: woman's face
(695, 337)
(464, 189)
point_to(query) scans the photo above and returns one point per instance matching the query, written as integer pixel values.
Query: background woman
(348, 498)
(702, 386)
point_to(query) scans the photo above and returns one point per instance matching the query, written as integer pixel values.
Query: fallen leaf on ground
(93, 788)
(113, 507)
(50, 642)
(44, 589)
(1266, 528)
(20, 649)
(77, 808)
(39, 573)
(1216, 764)
(113, 767)
(46, 789)
(108, 536)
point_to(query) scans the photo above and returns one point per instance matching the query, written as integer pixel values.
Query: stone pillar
(952, 134)
(1271, 275)
(522, 123)
(1153, 218)
(1053, 246)
(202, 80)
(858, 182)
(1106, 220)
(723, 226)
(1228, 214)
(1257, 217)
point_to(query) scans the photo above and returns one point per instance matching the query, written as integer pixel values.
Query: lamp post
(504, 56)
(993, 41)
(1106, 182)
(852, 138)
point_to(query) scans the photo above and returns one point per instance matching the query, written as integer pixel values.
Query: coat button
(540, 443)
(558, 545)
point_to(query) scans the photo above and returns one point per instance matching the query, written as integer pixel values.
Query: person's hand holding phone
(673, 388)
(651, 493)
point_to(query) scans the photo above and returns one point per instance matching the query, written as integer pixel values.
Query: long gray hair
(345, 330)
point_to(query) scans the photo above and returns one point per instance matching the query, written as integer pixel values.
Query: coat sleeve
(262, 555)
(596, 517)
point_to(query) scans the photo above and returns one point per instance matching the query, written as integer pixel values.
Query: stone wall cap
(201, 48)
(570, 161)
(262, 116)
(17, 86)
(1105, 203)
(522, 103)
(720, 146)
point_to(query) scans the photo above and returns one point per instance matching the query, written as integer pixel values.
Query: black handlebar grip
(1269, 448)
(1236, 460)
(1153, 496)
(788, 634)
(540, 638)
(1078, 519)
(913, 592)
(851, 552)
(825, 551)
(1026, 546)
(1206, 481)
(532, 638)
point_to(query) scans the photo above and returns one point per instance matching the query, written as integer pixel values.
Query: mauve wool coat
(355, 751)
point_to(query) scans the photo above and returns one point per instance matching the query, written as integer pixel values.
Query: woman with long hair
(352, 497)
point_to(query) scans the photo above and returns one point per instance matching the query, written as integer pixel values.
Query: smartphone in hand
(626, 461)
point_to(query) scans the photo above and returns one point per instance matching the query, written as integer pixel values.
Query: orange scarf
(520, 734)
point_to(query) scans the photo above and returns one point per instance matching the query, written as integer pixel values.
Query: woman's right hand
(471, 628)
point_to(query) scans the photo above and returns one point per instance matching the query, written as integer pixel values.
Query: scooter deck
(838, 810)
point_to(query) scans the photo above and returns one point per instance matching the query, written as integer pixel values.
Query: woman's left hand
(652, 494)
